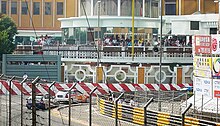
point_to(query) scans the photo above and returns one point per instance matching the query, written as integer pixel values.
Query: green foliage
(8, 30)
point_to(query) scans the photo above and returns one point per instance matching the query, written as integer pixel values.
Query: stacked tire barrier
(136, 115)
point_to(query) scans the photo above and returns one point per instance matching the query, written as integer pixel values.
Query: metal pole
(145, 110)
(173, 100)
(98, 33)
(70, 102)
(132, 50)
(34, 100)
(184, 112)
(116, 108)
(217, 112)
(1, 97)
(160, 64)
(22, 99)
(202, 105)
(49, 121)
(218, 27)
(10, 90)
(90, 106)
(194, 108)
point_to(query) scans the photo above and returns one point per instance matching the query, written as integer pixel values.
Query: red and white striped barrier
(85, 87)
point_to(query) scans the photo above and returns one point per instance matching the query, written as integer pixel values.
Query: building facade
(114, 17)
(35, 18)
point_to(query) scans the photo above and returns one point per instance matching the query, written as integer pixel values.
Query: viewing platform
(112, 54)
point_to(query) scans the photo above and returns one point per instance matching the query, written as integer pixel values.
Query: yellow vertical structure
(132, 51)
(141, 75)
(179, 75)
(99, 74)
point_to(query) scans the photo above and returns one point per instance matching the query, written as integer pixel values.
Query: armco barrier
(86, 87)
(136, 115)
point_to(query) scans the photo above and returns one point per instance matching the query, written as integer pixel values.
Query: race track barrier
(85, 87)
(136, 115)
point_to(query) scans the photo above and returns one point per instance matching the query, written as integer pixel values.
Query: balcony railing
(117, 54)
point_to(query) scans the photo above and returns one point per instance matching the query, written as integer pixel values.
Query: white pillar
(119, 7)
(91, 8)
(199, 6)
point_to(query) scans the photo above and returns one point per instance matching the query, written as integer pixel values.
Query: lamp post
(218, 28)
(98, 55)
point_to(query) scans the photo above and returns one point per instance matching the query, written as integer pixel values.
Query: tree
(8, 30)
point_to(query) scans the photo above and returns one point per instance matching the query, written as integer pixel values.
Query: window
(194, 25)
(170, 7)
(24, 9)
(59, 8)
(36, 8)
(4, 5)
(13, 7)
(47, 8)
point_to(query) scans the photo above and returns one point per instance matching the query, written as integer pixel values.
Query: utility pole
(10, 91)
(34, 82)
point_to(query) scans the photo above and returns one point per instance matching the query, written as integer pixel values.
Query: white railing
(121, 54)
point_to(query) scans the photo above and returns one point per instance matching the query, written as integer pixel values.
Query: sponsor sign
(216, 88)
(202, 66)
(202, 44)
(203, 86)
(215, 44)
(216, 67)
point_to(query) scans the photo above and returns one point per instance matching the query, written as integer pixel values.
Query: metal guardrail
(136, 115)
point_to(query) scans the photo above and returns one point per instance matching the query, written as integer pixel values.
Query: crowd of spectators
(166, 41)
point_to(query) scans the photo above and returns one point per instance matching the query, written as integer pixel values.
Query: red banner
(202, 44)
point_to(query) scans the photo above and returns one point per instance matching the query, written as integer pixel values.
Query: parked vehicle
(76, 96)
(42, 102)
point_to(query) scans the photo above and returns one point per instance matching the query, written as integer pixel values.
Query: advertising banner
(202, 44)
(216, 88)
(203, 86)
(216, 67)
(202, 66)
(215, 44)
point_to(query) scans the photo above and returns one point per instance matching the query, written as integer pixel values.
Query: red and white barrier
(85, 87)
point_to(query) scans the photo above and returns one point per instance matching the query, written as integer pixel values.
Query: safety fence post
(70, 102)
(34, 82)
(10, 91)
(184, 112)
(116, 108)
(90, 106)
(145, 110)
(25, 79)
(49, 116)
